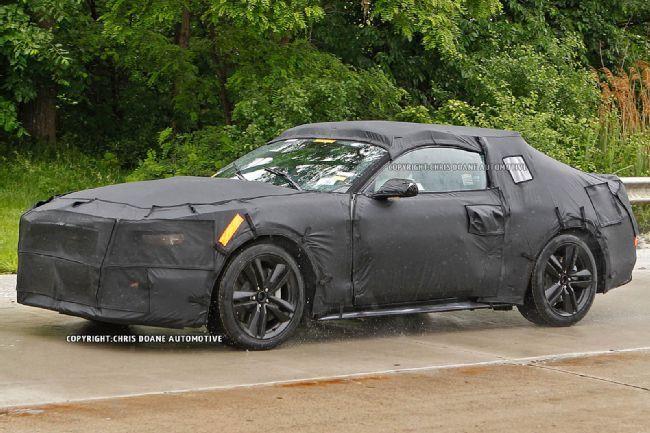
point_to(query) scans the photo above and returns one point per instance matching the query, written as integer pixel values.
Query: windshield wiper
(238, 172)
(284, 175)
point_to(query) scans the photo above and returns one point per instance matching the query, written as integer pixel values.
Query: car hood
(177, 191)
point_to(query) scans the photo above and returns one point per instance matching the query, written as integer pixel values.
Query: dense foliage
(96, 91)
(171, 86)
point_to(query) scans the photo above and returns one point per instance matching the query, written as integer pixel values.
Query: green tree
(32, 64)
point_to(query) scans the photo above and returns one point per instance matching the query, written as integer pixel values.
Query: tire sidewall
(542, 306)
(229, 324)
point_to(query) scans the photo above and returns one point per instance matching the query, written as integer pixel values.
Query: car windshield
(306, 164)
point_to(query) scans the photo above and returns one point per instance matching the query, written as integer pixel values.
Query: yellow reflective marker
(231, 229)
(324, 140)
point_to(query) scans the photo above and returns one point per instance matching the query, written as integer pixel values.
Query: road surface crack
(588, 376)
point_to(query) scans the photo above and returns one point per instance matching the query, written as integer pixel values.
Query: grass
(624, 114)
(642, 214)
(26, 178)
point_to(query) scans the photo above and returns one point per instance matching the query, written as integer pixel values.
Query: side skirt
(432, 308)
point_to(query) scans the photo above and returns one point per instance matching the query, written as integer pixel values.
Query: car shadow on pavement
(312, 332)
(406, 325)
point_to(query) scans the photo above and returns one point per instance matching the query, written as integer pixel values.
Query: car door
(446, 242)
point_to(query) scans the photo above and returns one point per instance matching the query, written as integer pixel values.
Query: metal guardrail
(638, 189)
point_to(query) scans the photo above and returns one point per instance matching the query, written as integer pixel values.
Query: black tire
(260, 299)
(563, 283)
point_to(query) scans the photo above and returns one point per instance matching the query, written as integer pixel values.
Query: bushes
(542, 92)
(294, 84)
(200, 153)
(284, 86)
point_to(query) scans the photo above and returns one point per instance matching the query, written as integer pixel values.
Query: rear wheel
(563, 284)
(260, 298)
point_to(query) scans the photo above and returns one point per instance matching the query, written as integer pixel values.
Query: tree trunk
(92, 7)
(226, 104)
(222, 74)
(39, 115)
(183, 31)
(182, 39)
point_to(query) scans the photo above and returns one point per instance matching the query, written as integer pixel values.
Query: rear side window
(437, 169)
(517, 168)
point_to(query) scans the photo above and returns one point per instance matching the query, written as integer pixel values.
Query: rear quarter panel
(556, 200)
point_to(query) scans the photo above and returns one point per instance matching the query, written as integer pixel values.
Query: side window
(517, 168)
(437, 169)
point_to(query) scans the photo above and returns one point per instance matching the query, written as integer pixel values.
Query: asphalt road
(480, 369)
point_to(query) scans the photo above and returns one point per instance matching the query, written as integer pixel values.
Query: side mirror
(396, 188)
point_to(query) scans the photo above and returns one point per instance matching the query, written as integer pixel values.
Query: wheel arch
(305, 263)
(595, 244)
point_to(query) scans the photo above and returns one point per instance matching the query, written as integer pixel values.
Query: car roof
(397, 137)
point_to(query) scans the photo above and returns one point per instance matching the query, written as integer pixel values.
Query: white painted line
(504, 361)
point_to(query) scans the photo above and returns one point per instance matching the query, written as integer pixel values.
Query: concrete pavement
(8, 287)
(39, 366)
(606, 393)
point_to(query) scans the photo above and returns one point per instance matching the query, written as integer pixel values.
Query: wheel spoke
(555, 264)
(581, 279)
(253, 322)
(261, 325)
(566, 303)
(553, 293)
(550, 270)
(240, 295)
(278, 313)
(572, 300)
(284, 305)
(260, 273)
(251, 276)
(584, 273)
(277, 272)
(244, 306)
(570, 256)
(278, 278)
(582, 284)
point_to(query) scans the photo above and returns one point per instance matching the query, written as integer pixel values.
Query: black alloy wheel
(563, 284)
(265, 296)
(568, 276)
(261, 297)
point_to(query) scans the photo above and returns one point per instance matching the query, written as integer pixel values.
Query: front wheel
(260, 298)
(563, 283)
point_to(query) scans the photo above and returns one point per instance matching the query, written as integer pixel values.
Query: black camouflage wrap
(83, 253)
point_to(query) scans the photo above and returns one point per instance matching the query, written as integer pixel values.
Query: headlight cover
(163, 239)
